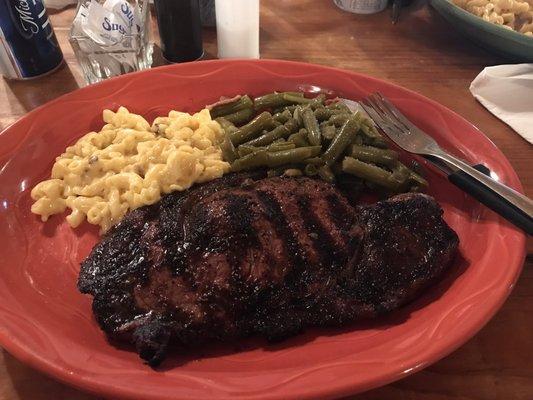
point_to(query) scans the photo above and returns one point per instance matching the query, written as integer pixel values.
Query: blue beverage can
(28, 45)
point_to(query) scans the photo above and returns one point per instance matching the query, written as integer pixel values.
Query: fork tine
(381, 122)
(372, 113)
(376, 107)
(391, 117)
(397, 113)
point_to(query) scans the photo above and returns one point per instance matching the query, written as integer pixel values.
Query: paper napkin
(507, 92)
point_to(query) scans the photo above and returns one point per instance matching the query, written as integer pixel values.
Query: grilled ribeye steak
(245, 255)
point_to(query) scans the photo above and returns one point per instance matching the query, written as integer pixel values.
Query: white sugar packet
(108, 23)
(109, 26)
(507, 92)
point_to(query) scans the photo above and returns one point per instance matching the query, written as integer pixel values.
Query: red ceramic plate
(46, 323)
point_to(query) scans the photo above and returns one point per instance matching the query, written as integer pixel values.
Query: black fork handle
(491, 199)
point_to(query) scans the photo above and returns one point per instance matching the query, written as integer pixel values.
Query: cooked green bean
(326, 174)
(340, 142)
(369, 135)
(371, 173)
(369, 130)
(317, 102)
(262, 158)
(343, 107)
(374, 155)
(296, 99)
(314, 161)
(251, 129)
(300, 138)
(328, 131)
(229, 108)
(402, 172)
(311, 124)
(253, 160)
(339, 119)
(292, 125)
(297, 94)
(310, 170)
(376, 142)
(227, 126)
(228, 150)
(283, 116)
(273, 100)
(297, 115)
(240, 117)
(281, 146)
(244, 150)
(339, 106)
(323, 114)
(267, 138)
(358, 140)
(303, 138)
(284, 108)
(296, 155)
(289, 141)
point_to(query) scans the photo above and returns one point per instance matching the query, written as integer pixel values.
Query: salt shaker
(237, 28)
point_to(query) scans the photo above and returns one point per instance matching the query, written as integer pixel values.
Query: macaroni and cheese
(511, 14)
(129, 164)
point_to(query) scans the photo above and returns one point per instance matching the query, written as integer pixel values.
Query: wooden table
(422, 53)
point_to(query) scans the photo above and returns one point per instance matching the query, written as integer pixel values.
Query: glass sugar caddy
(111, 37)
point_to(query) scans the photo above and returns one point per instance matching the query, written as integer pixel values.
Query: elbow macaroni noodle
(511, 14)
(129, 164)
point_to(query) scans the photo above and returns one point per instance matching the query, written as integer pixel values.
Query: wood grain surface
(422, 53)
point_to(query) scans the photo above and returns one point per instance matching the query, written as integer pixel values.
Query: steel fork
(507, 202)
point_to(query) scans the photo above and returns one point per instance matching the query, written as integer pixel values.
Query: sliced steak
(246, 255)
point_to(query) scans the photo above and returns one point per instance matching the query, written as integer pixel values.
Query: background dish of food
(511, 14)
(47, 323)
(497, 39)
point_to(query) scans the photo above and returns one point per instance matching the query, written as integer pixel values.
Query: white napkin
(507, 92)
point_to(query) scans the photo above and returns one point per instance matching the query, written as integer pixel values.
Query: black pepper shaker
(180, 29)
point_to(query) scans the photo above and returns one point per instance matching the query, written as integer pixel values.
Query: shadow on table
(35, 92)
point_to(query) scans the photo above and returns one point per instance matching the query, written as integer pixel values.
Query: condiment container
(111, 37)
(237, 28)
(180, 29)
(361, 6)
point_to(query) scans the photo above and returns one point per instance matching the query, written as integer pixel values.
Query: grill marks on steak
(246, 255)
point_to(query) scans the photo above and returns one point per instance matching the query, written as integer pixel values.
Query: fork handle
(507, 202)
(491, 199)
